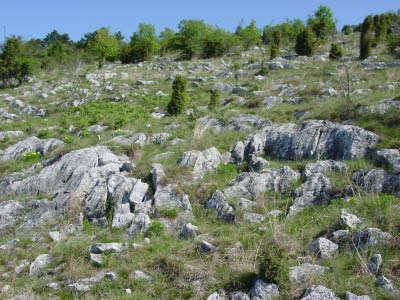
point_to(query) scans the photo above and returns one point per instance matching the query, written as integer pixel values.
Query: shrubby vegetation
(193, 39)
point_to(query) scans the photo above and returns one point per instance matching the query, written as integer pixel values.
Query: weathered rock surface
(85, 180)
(38, 266)
(301, 274)
(377, 181)
(324, 166)
(315, 139)
(323, 248)
(369, 237)
(202, 161)
(315, 191)
(250, 185)
(319, 292)
(219, 203)
(389, 158)
(351, 296)
(263, 291)
(32, 144)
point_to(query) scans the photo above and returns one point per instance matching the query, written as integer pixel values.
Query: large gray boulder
(314, 139)
(87, 180)
(389, 158)
(202, 161)
(315, 191)
(377, 181)
(370, 237)
(219, 203)
(31, 144)
(250, 185)
(324, 166)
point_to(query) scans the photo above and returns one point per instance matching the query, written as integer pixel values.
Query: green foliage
(306, 42)
(191, 36)
(347, 30)
(322, 22)
(114, 115)
(156, 228)
(104, 46)
(179, 97)
(335, 52)
(15, 66)
(217, 42)
(170, 267)
(215, 99)
(249, 36)
(275, 44)
(167, 40)
(264, 70)
(288, 31)
(366, 38)
(31, 157)
(144, 43)
(170, 213)
(273, 263)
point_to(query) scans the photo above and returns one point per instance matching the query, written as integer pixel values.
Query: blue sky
(35, 18)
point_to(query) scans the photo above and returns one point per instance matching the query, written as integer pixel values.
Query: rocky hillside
(288, 190)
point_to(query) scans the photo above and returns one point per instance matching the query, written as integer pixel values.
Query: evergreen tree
(179, 96)
(305, 42)
(366, 38)
(275, 44)
(335, 52)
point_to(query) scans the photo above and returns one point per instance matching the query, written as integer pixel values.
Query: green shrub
(273, 263)
(144, 43)
(264, 70)
(31, 157)
(104, 46)
(249, 36)
(170, 267)
(335, 52)
(322, 22)
(366, 38)
(15, 66)
(156, 228)
(275, 44)
(215, 98)
(217, 42)
(347, 30)
(305, 42)
(179, 96)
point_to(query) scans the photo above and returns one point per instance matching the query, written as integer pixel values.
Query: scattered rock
(263, 291)
(323, 248)
(349, 220)
(303, 273)
(106, 247)
(369, 237)
(387, 284)
(206, 247)
(351, 296)
(319, 292)
(40, 263)
(188, 231)
(374, 264)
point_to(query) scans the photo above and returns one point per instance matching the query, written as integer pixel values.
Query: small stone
(239, 296)
(139, 275)
(54, 286)
(387, 284)
(188, 231)
(96, 259)
(349, 220)
(319, 292)
(22, 267)
(263, 291)
(55, 236)
(106, 247)
(323, 248)
(351, 296)
(39, 264)
(206, 247)
(303, 273)
(5, 288)
(375, 263)
(128, 291)
(253, 217)
(340, 236)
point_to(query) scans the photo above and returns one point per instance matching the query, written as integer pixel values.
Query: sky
(35, 18)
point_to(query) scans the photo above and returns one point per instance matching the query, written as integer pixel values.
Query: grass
(268, 248)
